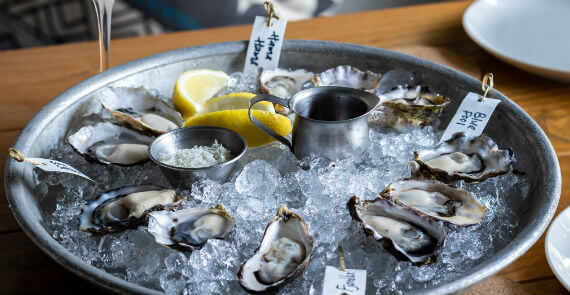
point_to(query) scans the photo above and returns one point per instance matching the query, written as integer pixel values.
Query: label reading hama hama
(265, 44)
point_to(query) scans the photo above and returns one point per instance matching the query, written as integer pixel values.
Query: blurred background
(28, 23)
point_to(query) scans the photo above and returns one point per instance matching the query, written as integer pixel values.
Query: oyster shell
(472, 159)
(284, 253)
(415, 106)
(283, 83)
(402, 230)
(125, 207)
(438, 200)
(348, 76)
(190, 228)
(107, 143)
(139, 109)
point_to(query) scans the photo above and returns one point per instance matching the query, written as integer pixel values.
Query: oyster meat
(139, 109)
(283, 83)
(125, 207)
(284, 253)
(190, 228)
(415, 106)
(402, 230)
(348, 76)
(107, 143)
(438, 200)
(472, 159)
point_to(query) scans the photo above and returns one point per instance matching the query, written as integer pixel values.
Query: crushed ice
(267, 176)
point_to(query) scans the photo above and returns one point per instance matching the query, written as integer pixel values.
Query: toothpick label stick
(348, 282)
(265, 42)
(47, 164)
(473, 114)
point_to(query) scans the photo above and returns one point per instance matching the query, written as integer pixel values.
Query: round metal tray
(510, 127)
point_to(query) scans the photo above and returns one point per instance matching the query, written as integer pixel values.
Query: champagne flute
(103, 9)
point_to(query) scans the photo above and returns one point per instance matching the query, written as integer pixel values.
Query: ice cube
(258, 179)
(172, 283)
(175, 261)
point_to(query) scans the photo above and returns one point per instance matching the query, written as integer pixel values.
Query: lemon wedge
(235, 101)
(193, 88)
(238, 121)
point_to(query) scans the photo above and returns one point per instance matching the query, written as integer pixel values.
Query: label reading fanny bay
(471, 117)
(265, 44)
(338, 282)
(55, 166)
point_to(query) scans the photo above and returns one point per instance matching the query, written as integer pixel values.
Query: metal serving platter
(510, 127)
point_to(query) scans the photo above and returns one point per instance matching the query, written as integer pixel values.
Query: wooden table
(30, 78)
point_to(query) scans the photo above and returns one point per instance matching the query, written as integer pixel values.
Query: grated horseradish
(198, 156)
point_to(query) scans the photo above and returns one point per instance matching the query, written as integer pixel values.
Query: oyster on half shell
(415, 106)
(107, 143)
(403, 231)
(284, 253)
(190, 228)
(284, 84)
(125, 207)
(348, 76)
(438, 200)
(472, 159)
(139, 109)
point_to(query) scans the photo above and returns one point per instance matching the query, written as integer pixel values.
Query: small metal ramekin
(188, 137)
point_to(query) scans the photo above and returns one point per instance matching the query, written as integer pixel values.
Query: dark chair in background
(26, 23)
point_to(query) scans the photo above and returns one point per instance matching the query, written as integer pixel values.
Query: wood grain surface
(30, 78)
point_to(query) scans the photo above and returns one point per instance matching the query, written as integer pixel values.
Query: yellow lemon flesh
(193, 88)
(238, 121)
(235, 101)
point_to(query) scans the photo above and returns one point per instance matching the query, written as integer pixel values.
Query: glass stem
(103, 9)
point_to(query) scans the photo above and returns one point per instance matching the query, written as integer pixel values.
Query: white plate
(557, 247)
(533, 35)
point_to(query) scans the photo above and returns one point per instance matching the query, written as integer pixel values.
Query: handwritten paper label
(55, 166)
(264, 44)
(471, 117)
(349, 282)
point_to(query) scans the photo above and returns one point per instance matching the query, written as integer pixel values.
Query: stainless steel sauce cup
(188, 137)
(329, 121)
